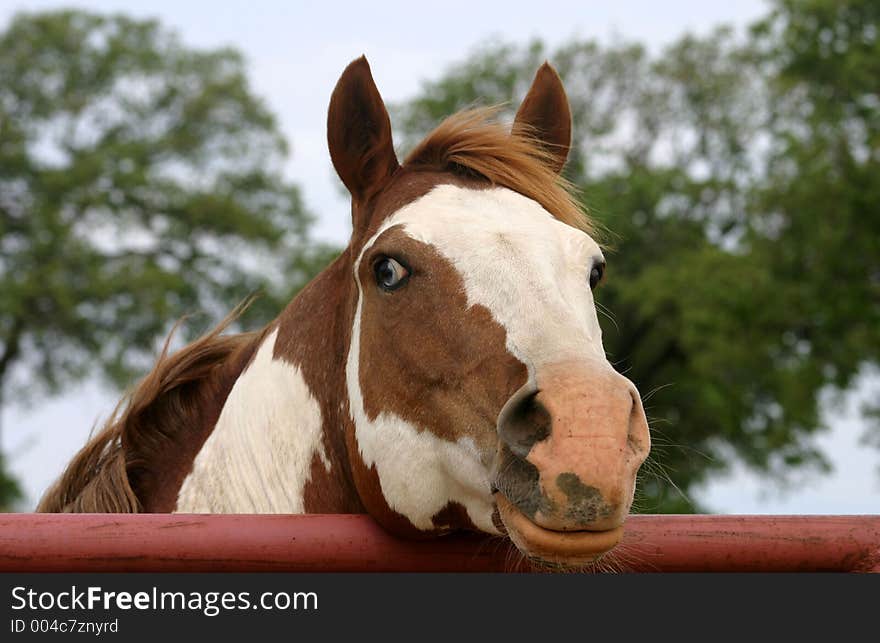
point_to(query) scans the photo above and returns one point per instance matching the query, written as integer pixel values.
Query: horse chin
(555, 549)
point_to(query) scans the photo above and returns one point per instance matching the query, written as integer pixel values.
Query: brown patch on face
(426, 356)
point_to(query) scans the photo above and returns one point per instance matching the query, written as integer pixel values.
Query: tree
(738, 177)
(139, 181)
(822, 184)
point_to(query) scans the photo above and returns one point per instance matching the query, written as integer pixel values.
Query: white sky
(296, 51)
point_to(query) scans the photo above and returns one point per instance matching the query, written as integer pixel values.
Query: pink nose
(571, 447)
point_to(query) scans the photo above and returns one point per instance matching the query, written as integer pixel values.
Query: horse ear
(545, 114)
(359, 132)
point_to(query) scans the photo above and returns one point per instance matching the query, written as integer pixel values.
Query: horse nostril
(523, 421)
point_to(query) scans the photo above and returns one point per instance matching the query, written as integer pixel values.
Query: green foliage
(822, 183)
(139, 181)
(738, 176)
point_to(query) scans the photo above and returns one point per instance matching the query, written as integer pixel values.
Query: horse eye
(389, 273)
(596, 275)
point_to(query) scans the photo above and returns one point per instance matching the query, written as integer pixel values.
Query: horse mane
(473, 143)
(105, 475)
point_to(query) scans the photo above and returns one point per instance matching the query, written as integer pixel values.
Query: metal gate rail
(354, 543)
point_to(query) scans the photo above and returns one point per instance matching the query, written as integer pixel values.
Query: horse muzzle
(571, 444)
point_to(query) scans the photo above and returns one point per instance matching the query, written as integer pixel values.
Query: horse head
(478, 390)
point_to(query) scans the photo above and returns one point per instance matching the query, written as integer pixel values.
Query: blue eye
(596, 274)
(390, 274)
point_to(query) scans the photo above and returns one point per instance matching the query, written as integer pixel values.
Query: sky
(295, 52)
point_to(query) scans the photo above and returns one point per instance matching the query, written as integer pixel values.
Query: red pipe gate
(354, 543)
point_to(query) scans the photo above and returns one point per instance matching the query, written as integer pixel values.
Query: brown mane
(474, 143)
(120, 464)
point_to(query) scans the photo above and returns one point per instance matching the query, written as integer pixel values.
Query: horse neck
(172, 413)
(280, 435)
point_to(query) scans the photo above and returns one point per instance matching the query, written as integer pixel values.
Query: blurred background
(164, 159)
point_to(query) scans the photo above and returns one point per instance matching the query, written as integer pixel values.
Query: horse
(445, 373)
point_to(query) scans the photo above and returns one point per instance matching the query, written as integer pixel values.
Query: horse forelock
(473, 143)
(473, 148)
